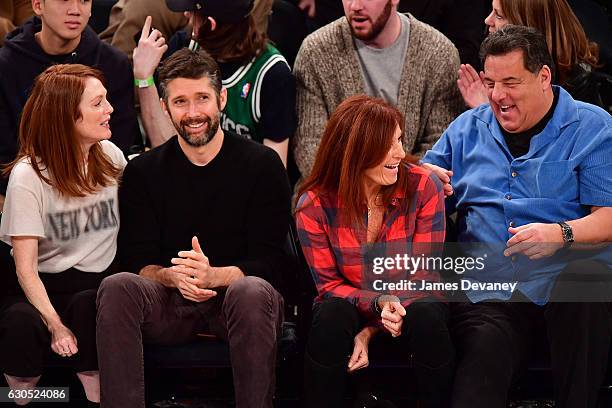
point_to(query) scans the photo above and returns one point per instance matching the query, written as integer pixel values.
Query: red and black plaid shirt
(337, 252)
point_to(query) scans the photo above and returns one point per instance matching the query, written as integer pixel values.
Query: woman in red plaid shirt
(366, 196)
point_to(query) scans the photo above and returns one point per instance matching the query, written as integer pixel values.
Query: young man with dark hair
(59, 34)
(532, 175)
(204, 219)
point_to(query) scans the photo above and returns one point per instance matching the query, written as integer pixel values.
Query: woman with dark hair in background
(363, 193)
(574, 55)
(61, 218)
(260, 85)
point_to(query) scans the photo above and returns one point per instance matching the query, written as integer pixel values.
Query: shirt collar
(565, 113)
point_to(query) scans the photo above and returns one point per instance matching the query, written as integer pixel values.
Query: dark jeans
(493, 341)
(133, 310)
(425, 337)
(25, 341)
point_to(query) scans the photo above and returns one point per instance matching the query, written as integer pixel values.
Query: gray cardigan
(327, 71)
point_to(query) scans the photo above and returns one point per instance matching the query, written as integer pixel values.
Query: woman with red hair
(365, 196)
(61, 218)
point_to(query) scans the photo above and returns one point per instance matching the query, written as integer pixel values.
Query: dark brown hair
(567, 42)
(357, 137)
(231, 42)
(48, 136)
(517, 37)
(186, 63)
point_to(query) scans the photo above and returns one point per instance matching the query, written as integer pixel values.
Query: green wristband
(144, 83)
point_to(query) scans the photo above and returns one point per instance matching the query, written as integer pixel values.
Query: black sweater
(22, 59)
(238, 206)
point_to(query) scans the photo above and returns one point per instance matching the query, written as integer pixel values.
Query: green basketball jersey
(243, 109)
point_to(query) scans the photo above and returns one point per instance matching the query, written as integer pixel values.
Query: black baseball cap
(224, 11)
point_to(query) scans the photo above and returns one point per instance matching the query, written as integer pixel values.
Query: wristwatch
(567, 232)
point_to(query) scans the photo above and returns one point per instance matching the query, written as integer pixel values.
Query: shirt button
(508, 197)
(511, 223)
(514, 174)
(513, 258)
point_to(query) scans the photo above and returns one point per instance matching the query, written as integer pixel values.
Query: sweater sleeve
(311, 110)
(447, 103)
(267, 220)
(139, 236)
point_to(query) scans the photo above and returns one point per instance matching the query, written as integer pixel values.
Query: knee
(116, 285)
(334, 325)
(21, 318)
(82, 306)
(489, 342)
(426, 326)
(335, 315)
(85, 299)
(251, 291)
(255, 295)
(117, 291)
(334, 318)
(427, 317)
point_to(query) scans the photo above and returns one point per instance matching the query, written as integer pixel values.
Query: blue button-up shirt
(567, 169)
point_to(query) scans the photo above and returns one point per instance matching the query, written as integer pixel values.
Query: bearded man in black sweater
(203, 221)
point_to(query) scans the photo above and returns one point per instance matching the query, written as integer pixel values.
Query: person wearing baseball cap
(232, 11)
(258, 79)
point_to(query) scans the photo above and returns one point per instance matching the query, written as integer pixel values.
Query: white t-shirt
(79, 232)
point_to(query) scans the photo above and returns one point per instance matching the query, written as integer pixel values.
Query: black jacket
(22, 59)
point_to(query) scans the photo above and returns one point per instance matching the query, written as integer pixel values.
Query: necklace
(375, 204)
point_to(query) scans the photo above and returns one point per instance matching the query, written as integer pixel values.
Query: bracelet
(387, 297)
(377, 308)
(144, 83)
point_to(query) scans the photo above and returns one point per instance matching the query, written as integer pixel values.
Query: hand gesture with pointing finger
(148, 53)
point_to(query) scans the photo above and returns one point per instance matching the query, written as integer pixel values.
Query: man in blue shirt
(531, 172)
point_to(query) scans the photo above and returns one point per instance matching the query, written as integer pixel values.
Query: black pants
(494, 339)
(25, 341)
(425, 337)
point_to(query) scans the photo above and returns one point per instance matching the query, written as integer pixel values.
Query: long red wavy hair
(357, 137)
